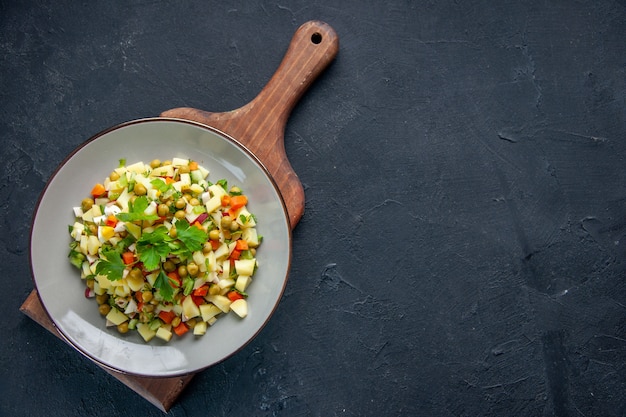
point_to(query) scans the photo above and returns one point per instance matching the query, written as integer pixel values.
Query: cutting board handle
(260, 124)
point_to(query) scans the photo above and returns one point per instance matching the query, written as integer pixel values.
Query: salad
(164, 251)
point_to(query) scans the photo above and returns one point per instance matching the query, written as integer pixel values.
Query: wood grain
(260, 124)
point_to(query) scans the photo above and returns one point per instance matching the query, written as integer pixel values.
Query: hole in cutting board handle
(316, 38)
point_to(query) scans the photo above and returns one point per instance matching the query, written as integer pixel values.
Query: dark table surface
(463, 249)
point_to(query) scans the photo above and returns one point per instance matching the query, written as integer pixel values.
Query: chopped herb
(76, 258)
(160, 185)
(192, 237)
(136, 211)
(152, 246)
(112, 265)
(188, 285)
(162, 283)
(223, 183)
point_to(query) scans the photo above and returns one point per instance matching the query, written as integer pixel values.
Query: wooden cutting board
(260, 127)
(260, 124)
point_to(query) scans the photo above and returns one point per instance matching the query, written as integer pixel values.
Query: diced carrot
(167, 316)
(181, 329)
(169, 180)
(235, 254)
(238, 201)
(215, 244)
(111, 220)
(225, 200)
(234, 295)
(197, 300)
(198, 225)
(129, 258)
(201, 291)
(193, 165)
(241, 245)
(139, 296)
(98, 190)
(175, 278)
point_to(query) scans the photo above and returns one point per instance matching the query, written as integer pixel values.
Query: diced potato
(196, 189)
(212, 262)
(198, 258)
(217, 190)
(123, 199)
(190, 309)
(93, 244)
(203, 171)
(242, 282)
(225, 270)
(209, 311)
(222, 251)
(97, 289)
(249, 219)
(86, 270)
(245, 266)
(104, 282)
(151, 209)
(145, 331)
(179, 161)
(84, 240)
(137, 167)
(250, 235)
(200, 328)
(240, 307)
(116, 317)
(213, 204)
(88, 216)
(77, 230)
(163, 333)
(222, 302)
(151, 278)
(226, 283)
(135, 283)
(185, 179)
(122, 291)
(133, 229)
(95, 210)
(164, 171)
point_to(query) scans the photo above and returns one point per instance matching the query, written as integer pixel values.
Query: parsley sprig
(136, 211)
(112, 265)
(153, 246)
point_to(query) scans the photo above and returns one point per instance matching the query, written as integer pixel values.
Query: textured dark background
(463, 247)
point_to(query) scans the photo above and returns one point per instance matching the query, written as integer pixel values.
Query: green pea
(87, 203)
(140, 189)
(123, 328)
(163, 210)
(104, 309)
(214, 234)
(192, 269)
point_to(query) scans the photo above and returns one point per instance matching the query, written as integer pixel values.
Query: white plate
(62, 291)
